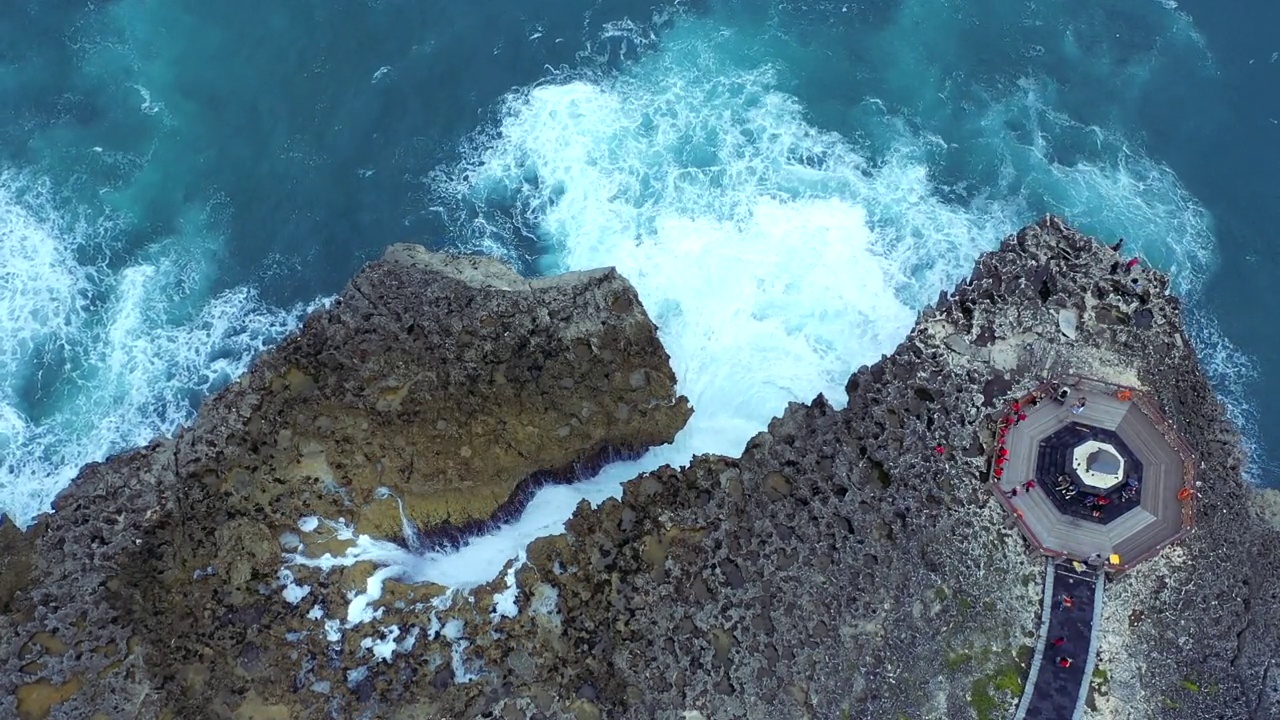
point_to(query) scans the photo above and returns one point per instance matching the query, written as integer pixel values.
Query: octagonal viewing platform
(1093, 472)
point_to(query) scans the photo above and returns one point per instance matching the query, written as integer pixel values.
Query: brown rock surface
(841, 568)
(447, 380)
(451, 382)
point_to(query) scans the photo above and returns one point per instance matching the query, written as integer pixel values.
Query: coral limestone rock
(444, 383)
(844, 567)
(851, 563)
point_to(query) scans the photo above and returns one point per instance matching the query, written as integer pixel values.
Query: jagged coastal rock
(850, 564)
(447, 386)
(844, 568)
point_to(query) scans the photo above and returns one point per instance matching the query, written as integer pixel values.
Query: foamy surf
(775, 256)
(95, 360)
(777, 250)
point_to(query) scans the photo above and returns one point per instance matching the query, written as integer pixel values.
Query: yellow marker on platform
(1115, 559)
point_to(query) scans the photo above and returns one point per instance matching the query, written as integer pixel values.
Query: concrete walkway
(1054, 692)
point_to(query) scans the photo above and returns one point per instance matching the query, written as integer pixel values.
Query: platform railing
(1151, 409)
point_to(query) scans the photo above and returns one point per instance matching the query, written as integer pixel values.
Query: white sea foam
(292, 592)
(148, 106)
(94, 359)
(774, 256)
(453, 631)
(356, 675)
(384, 647)
(44, 292)
(504, 603)
(333, 630)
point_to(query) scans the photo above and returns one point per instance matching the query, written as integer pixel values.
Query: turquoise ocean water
(786, 183)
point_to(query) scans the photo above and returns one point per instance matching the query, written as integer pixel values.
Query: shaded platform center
(1102, 501)
(1072, 608)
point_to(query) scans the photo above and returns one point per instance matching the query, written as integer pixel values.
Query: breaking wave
(100, 355)
(775, 253)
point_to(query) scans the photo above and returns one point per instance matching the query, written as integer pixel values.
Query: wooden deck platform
(1161, 515)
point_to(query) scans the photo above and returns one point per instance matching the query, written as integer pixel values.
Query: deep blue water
(180, 181)
(1234, 169)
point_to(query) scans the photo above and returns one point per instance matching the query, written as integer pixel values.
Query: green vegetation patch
(1003, 680)
(1190, 685)
(1101, 681)
(1099, 687)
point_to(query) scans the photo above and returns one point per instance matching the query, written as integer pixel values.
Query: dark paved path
(1054, 692)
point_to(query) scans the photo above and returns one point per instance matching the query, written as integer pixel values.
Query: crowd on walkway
(1059, 644)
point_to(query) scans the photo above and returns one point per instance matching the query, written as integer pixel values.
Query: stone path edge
(1033, 672)
(1092, 659)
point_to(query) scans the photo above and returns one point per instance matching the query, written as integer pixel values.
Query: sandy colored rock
(440, 384)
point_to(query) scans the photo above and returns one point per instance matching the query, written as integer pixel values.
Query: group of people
(1066, 602)
(1027, 486)
(1017, 413)
(1018, 408)
(1064, 484)
(1130, 490)
(1063, 394)
(1069, 489)
(1128, 266)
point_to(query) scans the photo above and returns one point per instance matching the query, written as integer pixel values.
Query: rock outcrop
(842, 567)
(446, 386)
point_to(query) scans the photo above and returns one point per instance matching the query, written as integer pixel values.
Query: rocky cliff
(841, 567)
(445, 387)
